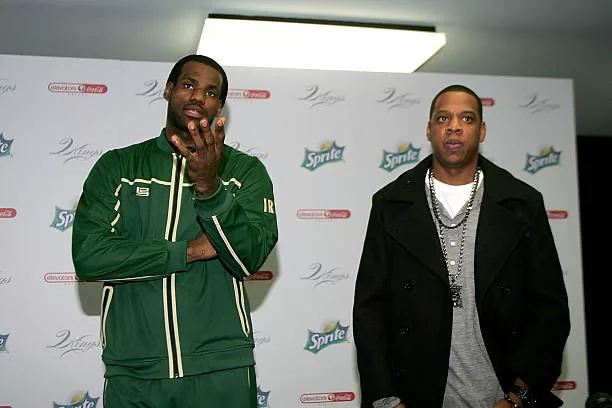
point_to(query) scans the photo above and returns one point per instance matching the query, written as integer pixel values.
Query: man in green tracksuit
(172, 226)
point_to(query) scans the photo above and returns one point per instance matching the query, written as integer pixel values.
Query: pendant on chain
(454, 288)
(455, 293)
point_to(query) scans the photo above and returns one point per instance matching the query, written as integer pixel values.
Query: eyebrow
(462, 112)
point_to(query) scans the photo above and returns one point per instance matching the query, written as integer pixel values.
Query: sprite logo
(330, 152)
(262, 398)
(79, 401)
(547, 157)
(63, 218)
(406, 154)
(333, 333)
(3, 340)
(5, 146)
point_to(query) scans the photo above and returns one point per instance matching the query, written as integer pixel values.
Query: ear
(168, 90)
(428, 131)
(483, 132)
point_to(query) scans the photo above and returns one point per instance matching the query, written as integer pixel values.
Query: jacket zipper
(175, 370)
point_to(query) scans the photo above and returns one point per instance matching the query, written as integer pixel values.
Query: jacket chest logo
(142, 191)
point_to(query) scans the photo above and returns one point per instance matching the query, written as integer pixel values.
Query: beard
(177, 118)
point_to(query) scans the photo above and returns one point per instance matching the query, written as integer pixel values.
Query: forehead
(200, 72)
(456, 101)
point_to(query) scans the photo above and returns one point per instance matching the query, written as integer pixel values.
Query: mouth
(453, 144)
(193, 111)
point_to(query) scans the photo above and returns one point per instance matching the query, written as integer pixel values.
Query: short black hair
(176, 71)
(456, 88)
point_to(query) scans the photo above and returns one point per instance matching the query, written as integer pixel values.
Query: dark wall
(596, 223)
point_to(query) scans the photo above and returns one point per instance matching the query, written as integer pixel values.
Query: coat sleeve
(99, 250)
(240, 220)
(371, 314)
(547, 321)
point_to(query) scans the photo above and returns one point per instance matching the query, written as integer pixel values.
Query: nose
(198, 95)
(454, 125)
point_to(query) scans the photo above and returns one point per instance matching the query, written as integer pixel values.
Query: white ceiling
(543, 38)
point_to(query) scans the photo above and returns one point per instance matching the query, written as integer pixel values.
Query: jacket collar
(163, 143)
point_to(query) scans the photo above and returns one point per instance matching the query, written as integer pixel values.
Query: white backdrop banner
(329, 140)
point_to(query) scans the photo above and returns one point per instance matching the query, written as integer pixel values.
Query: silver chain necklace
(454, 287)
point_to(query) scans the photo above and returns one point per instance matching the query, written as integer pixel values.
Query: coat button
(409, 284)
(404, 331)
(505, 290)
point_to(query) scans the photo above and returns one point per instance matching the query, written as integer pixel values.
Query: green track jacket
(162, 317)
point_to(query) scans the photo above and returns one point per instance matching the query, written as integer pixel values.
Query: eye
(442, 118)
(188, 85)
(468, 119)
(211, 94)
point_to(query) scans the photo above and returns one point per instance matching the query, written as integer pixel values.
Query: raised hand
(202, 163)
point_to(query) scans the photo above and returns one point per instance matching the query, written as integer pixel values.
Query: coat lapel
(408, 219)
(499, 229)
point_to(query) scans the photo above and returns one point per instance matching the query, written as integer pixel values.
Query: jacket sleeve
(371, 314)
(547, 321)
(240, 220)
(99, 250)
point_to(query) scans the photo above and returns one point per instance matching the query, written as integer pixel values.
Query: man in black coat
(460, 299)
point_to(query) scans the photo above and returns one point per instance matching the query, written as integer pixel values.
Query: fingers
(204, 137)
(220, 134)
(207, 134)
(194, 131)
(178, 143)
(205, 141)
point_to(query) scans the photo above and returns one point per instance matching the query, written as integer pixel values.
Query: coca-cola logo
(261, 275)
(66, 87)
(488, 102)
(248, 94)
(310, 214)
(8, 213)
(61, 277)
(564, 385)
(323, 397)
(557, 214)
